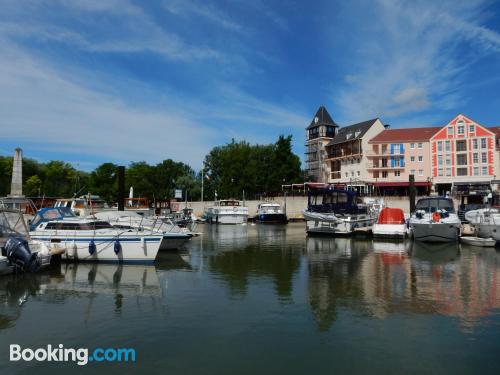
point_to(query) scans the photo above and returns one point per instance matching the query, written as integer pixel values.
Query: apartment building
(319, 133)
(463, 153)
(394, 154)
(346, 157)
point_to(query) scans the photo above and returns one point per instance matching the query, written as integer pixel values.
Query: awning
(402, 184)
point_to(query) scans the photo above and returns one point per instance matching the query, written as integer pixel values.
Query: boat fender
(436, 216)
(118, 247)
(92, 247)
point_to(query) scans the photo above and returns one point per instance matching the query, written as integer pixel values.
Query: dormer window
(357, 133)
(348, 136)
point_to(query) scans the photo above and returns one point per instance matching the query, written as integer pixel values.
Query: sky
(118, 81)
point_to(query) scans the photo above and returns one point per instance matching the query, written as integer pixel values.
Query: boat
(435, 220)
(20, 253)
(227, 211)
(270, 213)
(486, 222)
(478, 241)
(84, 205)
(91, 239)
(174, 237)
(336, 211)
(390, 224)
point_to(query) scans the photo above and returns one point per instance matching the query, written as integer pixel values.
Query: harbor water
(264, 299)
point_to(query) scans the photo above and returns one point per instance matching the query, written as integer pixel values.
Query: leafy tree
(33, 186)
(103, 182)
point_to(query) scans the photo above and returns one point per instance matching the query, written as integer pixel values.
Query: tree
(33, 186)
(103, 182)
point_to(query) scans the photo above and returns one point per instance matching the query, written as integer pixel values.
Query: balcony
(335, 175)
(384, 153)
(380, 167)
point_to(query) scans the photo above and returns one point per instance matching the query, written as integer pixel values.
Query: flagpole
(202, 182)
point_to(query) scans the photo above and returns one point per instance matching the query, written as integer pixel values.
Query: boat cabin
(269, 208)
(228, 203)
(63, 218)
(335, 200)
(435, 204)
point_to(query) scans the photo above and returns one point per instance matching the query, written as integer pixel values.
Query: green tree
(33, 186)
(103, 182)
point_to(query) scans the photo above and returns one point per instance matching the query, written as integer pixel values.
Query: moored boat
(270, 213)
(435, 220)
(390, 224)
(486, 222)
(478, 241)
(227, 211)
(336, 211)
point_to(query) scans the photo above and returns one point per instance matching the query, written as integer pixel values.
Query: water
(268, 300)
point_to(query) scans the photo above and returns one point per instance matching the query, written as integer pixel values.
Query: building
(394, 154)
(346, 157)
(463, 155)
(318, 134)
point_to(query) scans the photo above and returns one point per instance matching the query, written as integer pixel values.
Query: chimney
(16, 187)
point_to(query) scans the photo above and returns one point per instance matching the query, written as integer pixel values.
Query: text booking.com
(81, 356)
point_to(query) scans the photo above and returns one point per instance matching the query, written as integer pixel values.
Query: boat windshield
(433, 205)
(229, 203)
(53, 213)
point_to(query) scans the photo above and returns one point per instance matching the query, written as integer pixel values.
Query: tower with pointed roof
(319, 133)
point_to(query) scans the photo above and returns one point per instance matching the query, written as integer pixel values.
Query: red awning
(402, 184)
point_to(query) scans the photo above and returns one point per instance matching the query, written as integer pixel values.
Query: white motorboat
(334, 211)
(227, 211)
(390, 224)
(90, 239)
(435, 220)
(270, 213)
(478, 241)
(486, 222)
(174, 237)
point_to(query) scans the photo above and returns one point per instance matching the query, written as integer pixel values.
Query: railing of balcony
(385, 153)
(334, 175)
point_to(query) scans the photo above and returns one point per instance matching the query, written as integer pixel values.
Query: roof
(355, 131)
(495, 129)
(405, 135)
(323, 117)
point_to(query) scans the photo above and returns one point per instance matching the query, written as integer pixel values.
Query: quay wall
(295, 205)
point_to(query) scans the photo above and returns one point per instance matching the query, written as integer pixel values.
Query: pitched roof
(495, 129)
(323, 117)
(405, 135)
(355, 131)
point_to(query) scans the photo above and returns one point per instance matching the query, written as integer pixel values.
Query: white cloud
(409, 58)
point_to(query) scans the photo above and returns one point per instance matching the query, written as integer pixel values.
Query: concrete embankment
(295, 205)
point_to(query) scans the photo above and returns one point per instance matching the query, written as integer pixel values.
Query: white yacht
(390, 224)
(435, 220)
(336, 211)
(227, 211)
(174, 237)
(270, 213)
(90, 239)
(486, 222)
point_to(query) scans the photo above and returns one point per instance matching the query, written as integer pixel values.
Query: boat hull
(389, 230)
(435, 232)
(134, 249)
(174, 241)
(271, 219)
(232, 218)
(332, 225)
(486, 230)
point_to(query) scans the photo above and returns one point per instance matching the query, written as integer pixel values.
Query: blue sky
(117, 80)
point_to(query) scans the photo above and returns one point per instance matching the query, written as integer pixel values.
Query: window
(347, 174)
(484, 157)
(420, 159)
(483, 142)
(384, 174)
(359, 173)
(440, 146)
(448, 146)
(412, 172)
(420, 145)
(485, 171)
(440, 172)
(352, 173)
(474, 143)
(412, 158)
(476, 171)
(420, 172)
(397, 173)
(448, 162)
(384, 163)
(462, 159)
(460, 129)
(461, 171)
(461, 145)
(450, 130)
(440, 160)
(471, 129)
(412, 145)
(448, 171)
(475, 158)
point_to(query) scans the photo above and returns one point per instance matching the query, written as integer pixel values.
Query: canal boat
(270, 213)
(390, 224)
(336, 211)
(174, 237)
(435, 220)
(486, 222)
(91, 239)
(227, 211)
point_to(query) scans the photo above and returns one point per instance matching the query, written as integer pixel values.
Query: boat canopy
(430, 205)
(51, 213)
(391, 216)
(333, 200)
